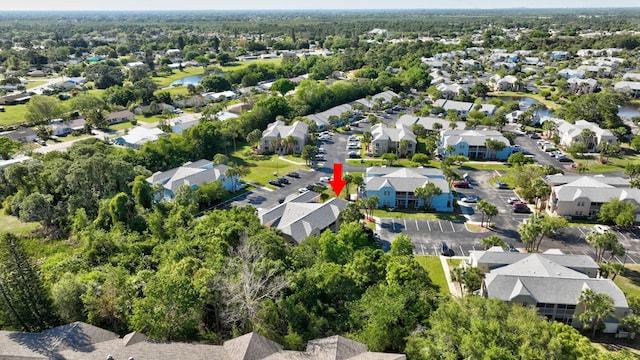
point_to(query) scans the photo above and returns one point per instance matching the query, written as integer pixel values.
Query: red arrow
(337, 184)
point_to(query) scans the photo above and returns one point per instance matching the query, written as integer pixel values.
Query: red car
(461, 184)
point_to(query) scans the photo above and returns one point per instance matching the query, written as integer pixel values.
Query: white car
(601, 229)
(303, 190)
(324, 179)
(354, 138)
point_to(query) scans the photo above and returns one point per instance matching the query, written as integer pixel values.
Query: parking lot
(573, 239)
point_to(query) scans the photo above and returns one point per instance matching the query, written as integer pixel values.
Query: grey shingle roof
(428, 121)
(561, 179)
(80, 341)
(594, 190)
(506, 258)
(191, 173)
(404, 179)
(550, 290)
(472, 137)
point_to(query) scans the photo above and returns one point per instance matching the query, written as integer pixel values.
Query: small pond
(193, 80)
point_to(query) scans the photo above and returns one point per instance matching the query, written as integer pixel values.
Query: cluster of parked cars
(519, 206)
(551, 149)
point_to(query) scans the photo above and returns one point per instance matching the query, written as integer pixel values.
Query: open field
(12, 115)
(262, 167)
(12, 224)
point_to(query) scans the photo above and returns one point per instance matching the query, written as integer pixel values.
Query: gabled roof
(298, 218)
(538, 265)
(335, 348)
(497, 258)
(278, 129)
(561, 179)
(472, 137)
(251, 346)
(401, 132)
(427, 121)
(585, 187)
(404, 179)
(191, 173)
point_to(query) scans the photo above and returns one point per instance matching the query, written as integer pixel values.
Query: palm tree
(289, 143)
(597, 307)
(456, 276)
(494, 147)
(493, 240)
(403, 147)
(366, 139)
(453, 125)
(427, 193)
(349, 179)
(587, 136)
(548, 127)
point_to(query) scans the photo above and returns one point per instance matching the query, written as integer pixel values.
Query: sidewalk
(453, 288)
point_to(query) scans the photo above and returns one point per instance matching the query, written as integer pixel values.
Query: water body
(629, 110)
(193, 80)
(526, 102)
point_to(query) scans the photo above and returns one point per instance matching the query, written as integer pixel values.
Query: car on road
(445, 250)
(470, 199)
(513, 200)
(293, 174)
(353, 154)
(461, 184)
(275, 182)
(502, 185)
(601, 229)
(521, 208)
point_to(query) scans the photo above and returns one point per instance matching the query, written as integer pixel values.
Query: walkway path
(453, 288)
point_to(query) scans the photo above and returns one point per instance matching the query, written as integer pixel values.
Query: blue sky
(288, 4)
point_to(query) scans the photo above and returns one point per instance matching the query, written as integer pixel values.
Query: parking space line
(461, 251)
(630, 258)
(440, 226)
(422, 249)
(417, 227)
(393, 222)
(580, 229)
(435, 249)
(405, 224)
(429, 225)
(620, 261)
(452, 228)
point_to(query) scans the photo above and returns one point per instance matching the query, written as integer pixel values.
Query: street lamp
(277, 166)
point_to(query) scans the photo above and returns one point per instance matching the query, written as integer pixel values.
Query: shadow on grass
(633, 275)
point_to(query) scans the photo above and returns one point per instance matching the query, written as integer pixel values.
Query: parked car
(281, 200)
(601, 229)
(284, 181)
(319, 157)
(320, 185)
(293, 174)
(322, 151)
(354, 138)
(324, 138)
(275, 182)
(534, 136)
(512, 248)
(445, 250)
(353, 146)
(502, 185)
(521, 208)
(513, 200)
(324, 179)
(303, 190)
(564, 159)
(353, 154)
(470, 199)
(461, 184)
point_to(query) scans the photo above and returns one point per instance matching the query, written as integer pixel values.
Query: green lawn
(33, 83)
(262, 167)
(12, 115)
(415, 214)
(11, 224)
(68, 138)
(436, 273)
(548, 103)
(485, 166)
(629, 281)
(164, 81)
(121, 126)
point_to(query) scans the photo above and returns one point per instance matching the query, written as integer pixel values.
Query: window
(578, 213)
(580, 203)
(386, 192)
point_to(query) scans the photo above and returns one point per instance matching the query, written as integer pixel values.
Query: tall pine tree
(24, 301)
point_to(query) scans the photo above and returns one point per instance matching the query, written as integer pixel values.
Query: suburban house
(386, 97)
(630, 87)
(139, 136)
(428, 122)
(388, 140)
(81, 341)
(595, 70)
(551, 282)
(584, 196)
(631, 77)
(569, 132)
(395, 187)
(21, 134)
(462, 108)
(120, 117)
(272, 137)
(183, 122)
(62, 128)
(472, 144)
(561, 55)
(571, 73)
(15, 99)
(322, 118)
(303, 216)
(582, 86)
(193, 174)
(507, 83)
(220, 96)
